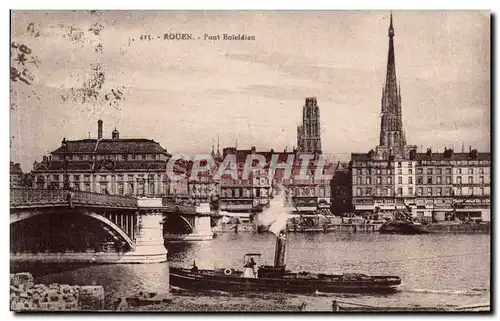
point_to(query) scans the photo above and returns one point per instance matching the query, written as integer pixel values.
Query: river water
(437, 270)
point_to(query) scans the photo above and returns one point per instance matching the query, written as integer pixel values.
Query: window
(429, 171)
(448, 179)
(470, 180)
(56, 177)
(438, 180)
(471, 171)
(130, 188)
(439, 171)
(368, 180)
(471, 191)
(459, 191)
(400, 180)
(420, 191)
(459, 180)
(378, 171)
(410, 190)
(377, 191)
(360, 171)
(358, 191)
(429, 190)
(389, 180)
(448, 191)
(419, 180)
(399, 164)
(481, 179)
(143, 157)
(379, 180)
(400, 191)
(120, 189)
(400, 171)
(368, 191)
(481, 191)
(410, 171)
(130, 177)
(410, 180)
(76, 178)
(358, 180)
(481, 170)
(153, 157)
(87, 187)
(439, 191)
(429, 180)
(151, 188)
(369, 171)
(103, 187)
(448, 171)
(459, 171)
(132, 157)
(420, 170)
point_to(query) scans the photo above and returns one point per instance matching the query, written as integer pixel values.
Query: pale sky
(183, 93)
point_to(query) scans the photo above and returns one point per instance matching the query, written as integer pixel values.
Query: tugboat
(276, 278)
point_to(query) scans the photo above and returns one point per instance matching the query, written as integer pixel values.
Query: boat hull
(402, 228)
(182, 278)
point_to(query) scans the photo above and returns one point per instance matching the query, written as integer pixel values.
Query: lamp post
(65, 178)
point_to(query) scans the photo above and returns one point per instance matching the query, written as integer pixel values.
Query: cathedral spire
(392, 135)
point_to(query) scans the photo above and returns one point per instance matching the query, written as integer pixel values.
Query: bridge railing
(88, 198)
(25, 196)
(31, 196)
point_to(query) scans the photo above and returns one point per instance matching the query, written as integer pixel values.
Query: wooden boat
(402, 227)
(277, 278)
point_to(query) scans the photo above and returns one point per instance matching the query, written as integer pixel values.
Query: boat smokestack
(279, 255)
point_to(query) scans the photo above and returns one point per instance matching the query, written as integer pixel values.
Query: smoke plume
(275, 217)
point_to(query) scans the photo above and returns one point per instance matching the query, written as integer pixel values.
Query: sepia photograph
(305, 161)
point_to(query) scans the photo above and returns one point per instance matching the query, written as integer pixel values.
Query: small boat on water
(402, 227)
(276, 278)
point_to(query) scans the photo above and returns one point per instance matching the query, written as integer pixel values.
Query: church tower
(392, 137)
(309, 134)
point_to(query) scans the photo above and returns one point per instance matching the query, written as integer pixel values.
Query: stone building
(115, 166)
(16, 175)
(309, 133)
(303, 194)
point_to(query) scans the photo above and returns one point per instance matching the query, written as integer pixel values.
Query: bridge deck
(21, 198)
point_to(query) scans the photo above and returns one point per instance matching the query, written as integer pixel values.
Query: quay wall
(458, 228)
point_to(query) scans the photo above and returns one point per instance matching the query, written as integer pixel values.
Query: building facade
(302, 193)
(432, 186)
(16, 175)
(115, 166)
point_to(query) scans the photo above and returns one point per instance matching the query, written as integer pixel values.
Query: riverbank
(180, 304)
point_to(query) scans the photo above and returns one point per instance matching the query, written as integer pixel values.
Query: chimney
(99, 129)
(279, 255)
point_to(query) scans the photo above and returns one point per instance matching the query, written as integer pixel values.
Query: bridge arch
(174, 221)
(24, 215)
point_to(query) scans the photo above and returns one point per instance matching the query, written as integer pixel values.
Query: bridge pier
(149, 243)
(201, 227)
